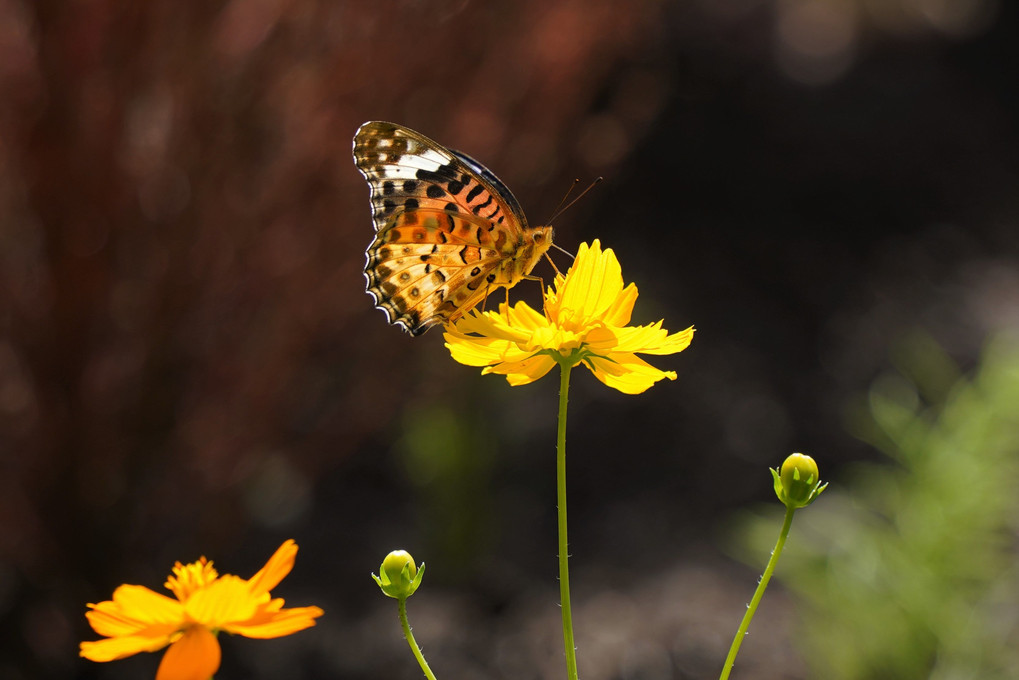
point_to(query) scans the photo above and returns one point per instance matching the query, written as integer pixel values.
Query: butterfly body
(447, 231)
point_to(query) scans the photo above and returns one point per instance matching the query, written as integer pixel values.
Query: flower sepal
(399, 577)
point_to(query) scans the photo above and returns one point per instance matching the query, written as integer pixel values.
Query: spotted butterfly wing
(447, 231)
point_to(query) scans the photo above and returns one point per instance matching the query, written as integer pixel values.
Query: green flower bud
(398, 576)
(798, 484)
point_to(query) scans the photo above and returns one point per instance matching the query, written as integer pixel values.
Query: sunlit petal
(195, 656)
(522, 315)
(621, 309)
(675, 342)
(652, 339)
(564, 341)
(491, 324)
(523, 372)
(591, 286)
(473, 351)
(585, 317)
(627, 373)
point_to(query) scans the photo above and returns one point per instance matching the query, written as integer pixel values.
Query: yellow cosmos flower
(140, 620)
(585, 320)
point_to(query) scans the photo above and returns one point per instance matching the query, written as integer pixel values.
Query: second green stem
(758, 594)
(412, 642)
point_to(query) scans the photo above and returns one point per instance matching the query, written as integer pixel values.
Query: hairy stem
(758, 594)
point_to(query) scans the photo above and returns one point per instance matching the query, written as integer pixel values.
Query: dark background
(189, 364)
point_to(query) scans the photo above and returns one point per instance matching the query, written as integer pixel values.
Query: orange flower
(140, 620)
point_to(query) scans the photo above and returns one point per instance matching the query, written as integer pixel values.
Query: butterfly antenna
(557, 211)
(560, 210)
(563, 250)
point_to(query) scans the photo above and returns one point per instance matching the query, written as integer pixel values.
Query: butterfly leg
(541, 283)
(557, 272)
(484, 300)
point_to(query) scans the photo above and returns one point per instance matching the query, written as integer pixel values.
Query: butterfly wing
(444, 226)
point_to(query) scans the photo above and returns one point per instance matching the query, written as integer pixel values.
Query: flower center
(189, 578)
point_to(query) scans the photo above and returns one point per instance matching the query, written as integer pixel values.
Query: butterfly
(447, 231)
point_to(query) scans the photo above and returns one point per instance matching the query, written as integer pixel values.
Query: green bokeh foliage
(907, 568)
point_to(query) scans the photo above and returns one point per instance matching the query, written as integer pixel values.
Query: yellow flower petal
(523, 372)
(675, 342)
(195, 656)
(651, 339)
(277, 624)
(115, 648)
(521, 315)
(493, 324)
(591, 287)
(585, 316)
(627, 373)
(621, 309)
(562, 341)
(275, 569)
(473, 351)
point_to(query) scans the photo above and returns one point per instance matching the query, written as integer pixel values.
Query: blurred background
(189, 364)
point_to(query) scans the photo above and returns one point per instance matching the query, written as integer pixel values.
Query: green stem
(758, 594)
(564, 571)
(412, 642)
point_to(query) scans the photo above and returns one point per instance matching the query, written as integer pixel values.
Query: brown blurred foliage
(182, 235)
(183, 229)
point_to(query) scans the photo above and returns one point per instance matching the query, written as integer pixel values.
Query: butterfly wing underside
(447, 230)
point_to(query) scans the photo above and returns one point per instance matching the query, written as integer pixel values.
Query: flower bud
(398, 576)
(798, 484)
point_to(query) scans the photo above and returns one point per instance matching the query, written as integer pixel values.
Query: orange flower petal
(277, 624)
(115, 648)
(110, 625)
(227, 600)
(133, 609)
(195, 656)
(278, 566)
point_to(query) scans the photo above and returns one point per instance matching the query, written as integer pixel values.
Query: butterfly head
(541, 241)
